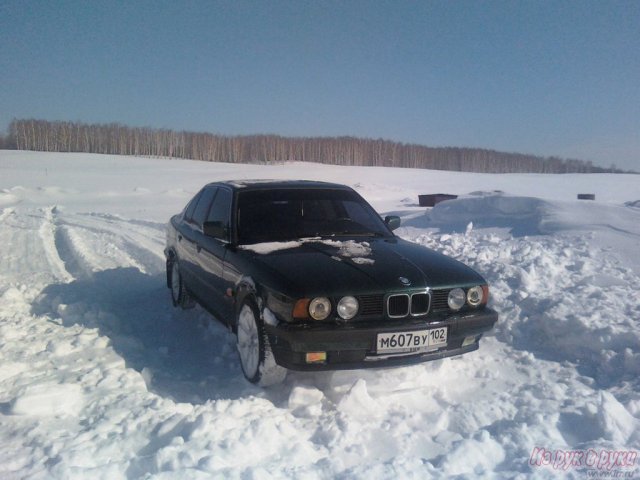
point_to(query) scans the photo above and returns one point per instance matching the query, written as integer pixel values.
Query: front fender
(245, 287)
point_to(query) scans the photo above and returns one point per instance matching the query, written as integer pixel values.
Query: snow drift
(100, 377)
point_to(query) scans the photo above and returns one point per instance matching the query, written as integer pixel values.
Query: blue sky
(541, 77)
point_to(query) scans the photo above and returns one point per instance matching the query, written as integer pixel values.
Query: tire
(179, 293)
(256, 358)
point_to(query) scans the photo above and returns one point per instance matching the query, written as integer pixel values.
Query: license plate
(411, 342)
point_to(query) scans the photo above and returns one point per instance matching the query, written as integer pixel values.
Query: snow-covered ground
(101, 378)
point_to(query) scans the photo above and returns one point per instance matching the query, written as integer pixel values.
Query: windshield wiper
(357, 234)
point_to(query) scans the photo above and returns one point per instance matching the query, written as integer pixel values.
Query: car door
(191, 240)
(211, 257)
(185, 241)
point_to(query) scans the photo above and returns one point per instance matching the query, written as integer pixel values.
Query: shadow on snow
(187, 356)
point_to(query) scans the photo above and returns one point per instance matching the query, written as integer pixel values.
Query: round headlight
(475, 296)
(456, 299)
(319, 308)
(347, 307)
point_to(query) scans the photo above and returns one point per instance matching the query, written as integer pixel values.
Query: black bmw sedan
(310, 277)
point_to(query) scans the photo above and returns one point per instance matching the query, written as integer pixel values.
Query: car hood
(356, 266)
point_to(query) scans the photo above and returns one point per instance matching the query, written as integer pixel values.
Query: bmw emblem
(405, 281)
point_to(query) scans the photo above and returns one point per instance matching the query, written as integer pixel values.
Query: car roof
(279, 184)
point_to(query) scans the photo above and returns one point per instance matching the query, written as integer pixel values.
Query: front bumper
(351, 346)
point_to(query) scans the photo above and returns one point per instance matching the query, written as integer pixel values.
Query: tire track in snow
(88, 243)
(30, 236)
(142, 244)
(67, 248)
(49, 235)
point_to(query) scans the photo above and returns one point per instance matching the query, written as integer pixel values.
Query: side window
(359, 214)
(188, 214)
(220, 212)
(202, 209)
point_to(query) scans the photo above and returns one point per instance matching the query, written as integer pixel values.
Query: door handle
(198, 248)
(179, 238)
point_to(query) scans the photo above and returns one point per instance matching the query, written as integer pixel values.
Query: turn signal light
(316, 357)
(485, 294)
(301, 309)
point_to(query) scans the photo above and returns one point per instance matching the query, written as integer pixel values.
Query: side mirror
(392, 221)
(215, 230)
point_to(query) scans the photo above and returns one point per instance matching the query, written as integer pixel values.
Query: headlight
(347, 307)
(475, 296)
(456, 299)
(319, 308)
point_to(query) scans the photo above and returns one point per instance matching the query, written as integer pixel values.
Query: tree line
(117, 139)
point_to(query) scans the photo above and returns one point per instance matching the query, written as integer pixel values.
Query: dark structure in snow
(434, 198)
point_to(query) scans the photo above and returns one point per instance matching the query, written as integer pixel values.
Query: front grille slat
(403, 305)
(398, 305)
(371, 304)
(440, 300)
(419, 304)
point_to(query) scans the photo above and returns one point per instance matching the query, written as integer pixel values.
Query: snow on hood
(347, 248)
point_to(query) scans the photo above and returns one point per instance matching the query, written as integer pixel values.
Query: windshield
(287, 214)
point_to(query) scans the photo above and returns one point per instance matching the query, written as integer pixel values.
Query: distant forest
(116, 139)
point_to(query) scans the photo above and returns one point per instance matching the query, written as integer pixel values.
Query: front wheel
(257, 360)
